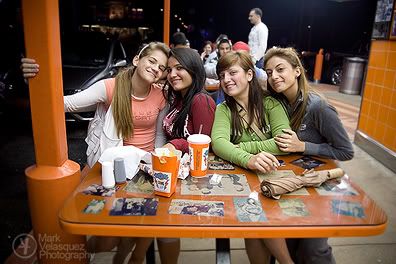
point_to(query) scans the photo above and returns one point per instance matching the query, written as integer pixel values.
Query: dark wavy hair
(191, 61)
(256, 93)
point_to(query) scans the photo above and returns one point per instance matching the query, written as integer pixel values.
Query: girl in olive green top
(242, 148)
(233, 136)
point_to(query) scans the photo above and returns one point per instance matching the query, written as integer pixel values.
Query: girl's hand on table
(263, 162)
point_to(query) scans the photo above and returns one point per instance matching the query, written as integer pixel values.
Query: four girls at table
(250, 127)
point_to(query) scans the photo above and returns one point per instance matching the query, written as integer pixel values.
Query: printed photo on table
(230, 184)
(249, 210)
(195, 207)
(94, 207)
(99, 190)
(141, 183)
(307, 162)
(134, 207)
(336, 187)
(293, 207)
(347, 208)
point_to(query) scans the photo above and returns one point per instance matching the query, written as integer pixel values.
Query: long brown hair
(291, 56)
(255, 97)
(122, 104)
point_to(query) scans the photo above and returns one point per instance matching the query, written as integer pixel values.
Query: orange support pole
(166, 21)
(318, 66)
(54, 177)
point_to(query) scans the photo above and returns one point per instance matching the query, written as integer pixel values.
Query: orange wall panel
(393, 101)
(379, 45)
(392, 46)
(391, 65)
(389, 137)
(363, 122)
(379, 77)
(389, 80)
(365, 107)
(392, 118)
(386, 97)
(370, 76)
(383, 116)
(378, 111)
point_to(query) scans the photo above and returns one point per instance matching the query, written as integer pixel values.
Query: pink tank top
(144, 115)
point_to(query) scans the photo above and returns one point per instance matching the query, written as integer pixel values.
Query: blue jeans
(310, 251)
(260, 63)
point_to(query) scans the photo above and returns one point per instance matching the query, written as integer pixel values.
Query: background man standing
(258, 37)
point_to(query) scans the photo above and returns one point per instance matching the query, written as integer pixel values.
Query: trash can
(353, 71)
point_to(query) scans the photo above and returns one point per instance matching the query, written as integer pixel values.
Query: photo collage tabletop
(227, 197)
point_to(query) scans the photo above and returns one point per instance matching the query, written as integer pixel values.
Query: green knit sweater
(240, 151)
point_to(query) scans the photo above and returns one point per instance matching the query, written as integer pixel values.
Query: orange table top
(320, 221)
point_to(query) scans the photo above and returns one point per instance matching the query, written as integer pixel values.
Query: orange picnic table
(319, 220)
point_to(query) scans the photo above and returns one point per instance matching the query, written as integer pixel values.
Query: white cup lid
(199, 138)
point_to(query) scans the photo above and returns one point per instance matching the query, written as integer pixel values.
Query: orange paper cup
(165, 171)
(198, 145)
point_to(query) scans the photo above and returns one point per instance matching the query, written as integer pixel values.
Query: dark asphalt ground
(16, 154)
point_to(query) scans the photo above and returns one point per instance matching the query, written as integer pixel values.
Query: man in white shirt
(258, 37)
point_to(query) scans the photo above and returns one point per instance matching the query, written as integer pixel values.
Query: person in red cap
(260, 73)
(240, 45)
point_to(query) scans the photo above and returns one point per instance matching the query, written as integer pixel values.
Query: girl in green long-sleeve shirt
(233, 136)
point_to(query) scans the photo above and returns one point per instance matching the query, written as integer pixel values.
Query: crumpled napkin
(131, 155)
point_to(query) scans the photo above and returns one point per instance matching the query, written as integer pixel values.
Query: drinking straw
(200, 129)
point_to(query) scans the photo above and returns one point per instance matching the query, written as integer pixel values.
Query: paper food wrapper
(165, 168)
(132, 157)
(184, 168)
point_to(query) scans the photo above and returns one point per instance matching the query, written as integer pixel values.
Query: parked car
(86, 59)
(91, 58)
